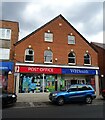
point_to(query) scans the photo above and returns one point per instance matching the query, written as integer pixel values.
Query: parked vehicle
(103, 93)
(8, 98)
(77, 92)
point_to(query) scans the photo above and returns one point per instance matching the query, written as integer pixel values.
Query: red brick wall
(59, 46)
(101, 58)
(14, 26)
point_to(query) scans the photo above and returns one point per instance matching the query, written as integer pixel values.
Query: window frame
(48, 35)
(48, 56)
(72, 58)
(28, 54)
(87, 58)
(71, 41)
(4, 34)
(4, 54)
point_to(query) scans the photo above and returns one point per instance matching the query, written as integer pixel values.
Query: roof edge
(9, 21)
(36, 30)
(80, 35)
(50, 22)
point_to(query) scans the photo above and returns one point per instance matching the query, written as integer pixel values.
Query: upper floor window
(4, 54)
(5, 33)
(48, 56)
(48, 37)
(87, 59)
(29, 55)
(71, 58)
(71, 39)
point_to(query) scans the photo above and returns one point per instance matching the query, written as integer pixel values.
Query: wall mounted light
(87, 51)
(102, 76)
(29, 46)
(71, 33)
(48, 31)
(56, 59)
(48, 48)
(60, 24)
(72, 50)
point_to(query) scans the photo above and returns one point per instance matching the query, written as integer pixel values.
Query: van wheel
(60, 101)
(88, 100)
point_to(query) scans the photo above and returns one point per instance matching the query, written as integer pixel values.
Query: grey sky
(86, 17)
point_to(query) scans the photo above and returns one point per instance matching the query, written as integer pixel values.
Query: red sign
(47, 70)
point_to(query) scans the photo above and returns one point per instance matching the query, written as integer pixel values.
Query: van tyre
(88, 100)
(60, 101)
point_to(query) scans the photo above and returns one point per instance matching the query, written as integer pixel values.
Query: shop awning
(6, 66)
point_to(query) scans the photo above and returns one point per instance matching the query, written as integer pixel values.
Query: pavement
(39, 97)
(42, 100)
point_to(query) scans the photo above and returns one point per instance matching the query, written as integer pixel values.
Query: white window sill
(47, 62)
(48, 41)
(72, 63)
(29, 61)
(87, 64)
(71, 43)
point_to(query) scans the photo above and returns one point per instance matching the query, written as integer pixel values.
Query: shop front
(80, 76)
(5, 69)
(47, 78)
(35, 79)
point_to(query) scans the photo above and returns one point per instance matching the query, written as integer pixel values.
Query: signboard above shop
(6, 66)
(78, 71)
(53, 70)
(45, 70)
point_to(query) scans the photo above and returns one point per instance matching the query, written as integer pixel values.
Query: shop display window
(4, 80)
(50, 83)
(35, 83)
(30, 83)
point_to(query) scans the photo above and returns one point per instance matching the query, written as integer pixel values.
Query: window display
(33, 83)
(30, 83)
(4, 80)
(50, 83)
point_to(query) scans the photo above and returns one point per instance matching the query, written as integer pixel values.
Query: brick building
(100, 47)
(53, 57)
(9, 31)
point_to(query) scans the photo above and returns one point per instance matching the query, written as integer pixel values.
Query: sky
(86, 16)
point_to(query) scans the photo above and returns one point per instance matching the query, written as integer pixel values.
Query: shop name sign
(3, 68)
(78, 71)
(27, 69)
(32, 69)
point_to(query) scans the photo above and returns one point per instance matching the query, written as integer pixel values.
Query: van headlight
(54, 94)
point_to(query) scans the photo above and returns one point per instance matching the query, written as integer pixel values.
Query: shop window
(71, 39)
(87, 59)
(29, 55)
(48, 56)
(71, 58)
(5, 33)
(30, 83)
(49, 83)
(33, 83)
(4, 80)
(4, 54)
(48, 37)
